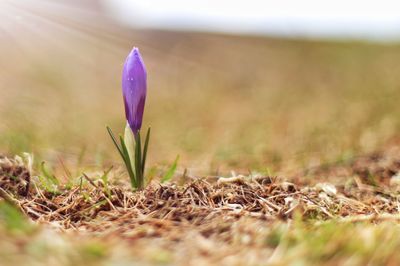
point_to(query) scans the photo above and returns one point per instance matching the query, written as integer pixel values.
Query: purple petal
(134, 88)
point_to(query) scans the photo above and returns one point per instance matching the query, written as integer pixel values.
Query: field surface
(288, 151)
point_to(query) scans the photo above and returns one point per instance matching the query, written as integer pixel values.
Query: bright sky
(344, 18)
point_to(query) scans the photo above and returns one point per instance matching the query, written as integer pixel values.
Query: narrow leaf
(104, 178)
(138, 161)
(146, 145)
(47, 175)
(115, 141)
(170, 173)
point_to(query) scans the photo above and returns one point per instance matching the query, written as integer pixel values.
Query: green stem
(128, 164)
(138, 161)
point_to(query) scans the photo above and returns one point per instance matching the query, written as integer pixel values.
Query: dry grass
(199, 202)
(229, 221)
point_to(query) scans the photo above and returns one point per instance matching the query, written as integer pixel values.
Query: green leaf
(13, 219)
(170, 173)
(47, 180)
(138, 161)
(115, 141)
(104, 178)
(146, 145)
(50, 177)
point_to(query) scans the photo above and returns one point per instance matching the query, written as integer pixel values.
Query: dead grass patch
(229, 221)
(100, 207)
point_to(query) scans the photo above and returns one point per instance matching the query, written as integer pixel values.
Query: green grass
(335, 243)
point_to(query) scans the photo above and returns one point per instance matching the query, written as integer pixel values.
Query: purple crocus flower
(134, 88)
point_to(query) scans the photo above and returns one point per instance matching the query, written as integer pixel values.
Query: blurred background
(233, 85)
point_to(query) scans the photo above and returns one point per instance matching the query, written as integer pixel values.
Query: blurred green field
(221, 102)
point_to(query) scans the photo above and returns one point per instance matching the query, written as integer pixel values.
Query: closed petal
(134, 89)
